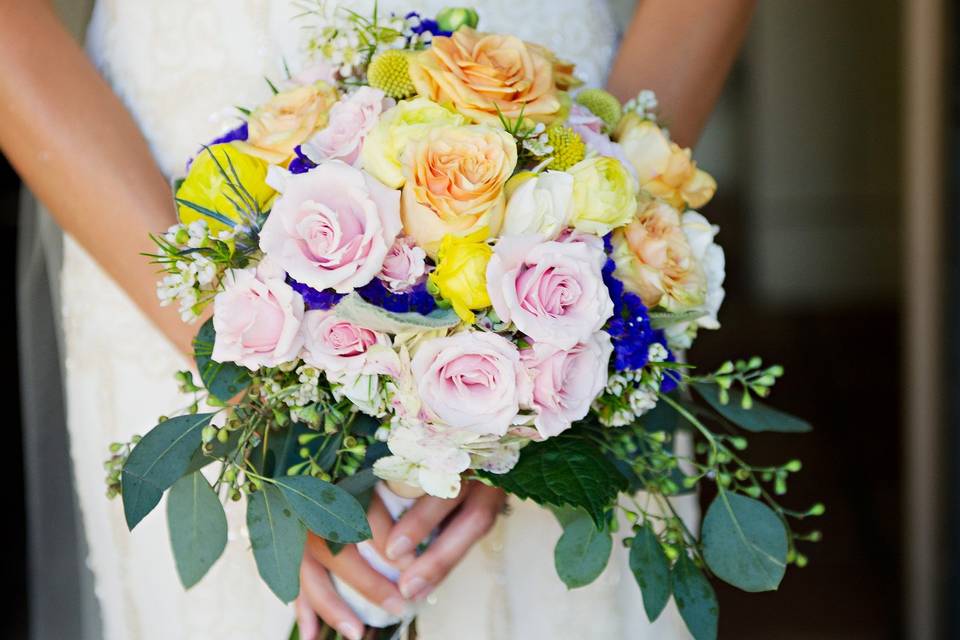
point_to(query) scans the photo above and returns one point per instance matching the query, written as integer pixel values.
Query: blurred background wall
(808, 145)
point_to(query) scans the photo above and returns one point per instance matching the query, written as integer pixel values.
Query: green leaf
(651, 569)
(744, 542)
(359, 483)
(198, 527)
(222, 380)
(661, 319)
(355, 309)
(695, 598)
(566, 470)
(759, 417)
(159, 460)
(582, 552)
(277, 537)
(327, 510)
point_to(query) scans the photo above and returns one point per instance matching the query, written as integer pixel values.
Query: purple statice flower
(314, 299)
(629, 328)
(420, 25)
(301, 163)
(238, 133)
(417, 299)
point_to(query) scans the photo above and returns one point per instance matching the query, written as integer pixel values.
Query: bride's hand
(468, 517)
(319, 597)
(462, 522)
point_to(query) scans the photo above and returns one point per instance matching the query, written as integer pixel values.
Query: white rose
(700, 234)
(541, 205)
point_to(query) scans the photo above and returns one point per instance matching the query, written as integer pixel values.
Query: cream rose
(454, 183)
(654, 259)
(604, 195)
(400, 125)
(287, 120)
(486, 75)
(664, 169)
(541, 205)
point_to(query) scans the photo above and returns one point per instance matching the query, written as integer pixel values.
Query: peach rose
(481, 73)
(454, 183)
(288, 119)
(665, 170)
(655, 260)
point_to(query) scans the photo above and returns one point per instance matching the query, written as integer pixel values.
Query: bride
(101, 167)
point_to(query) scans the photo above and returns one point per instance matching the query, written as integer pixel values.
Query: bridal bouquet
(435, 257)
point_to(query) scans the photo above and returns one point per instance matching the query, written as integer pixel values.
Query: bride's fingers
(318, 597)
(381, 522)
(417, 523)
(352, 568)
(473, 520)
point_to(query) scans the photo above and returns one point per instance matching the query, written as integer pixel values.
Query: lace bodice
(181, 66)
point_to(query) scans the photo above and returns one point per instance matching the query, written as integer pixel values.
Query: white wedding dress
(181, 66)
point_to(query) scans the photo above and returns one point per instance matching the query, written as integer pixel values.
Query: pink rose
(471, 381)
(313, 73)
(257, 318)
(404, 266)
(351, 120)
(342, 349)
(332, 227)
(552, 291)
(566, 381)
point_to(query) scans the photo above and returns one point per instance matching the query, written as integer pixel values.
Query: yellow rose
(398, 126)
(288, 119)
(604, 195)
(207, 186)
(665, 169)
(454, 183)
(654, 259)
(461, 274)
(485, 75)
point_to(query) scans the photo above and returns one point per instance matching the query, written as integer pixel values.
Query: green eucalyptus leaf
(197, 525)
(582, 552)
(277, 537)
(744, 542)
(159, 459)
(355, 309)
(223, 380)
(328, 510)
(663, 319)
(695, 599)
(651, 570)
(759, 417)
(565, 470)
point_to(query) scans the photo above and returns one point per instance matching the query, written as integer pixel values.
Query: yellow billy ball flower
(461, 274)
(603, 105)
(568, 147)
(221, 179)
(389, 71)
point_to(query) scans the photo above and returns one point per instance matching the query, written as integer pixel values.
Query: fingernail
(396, 606)
(412, 587)
(350, 630)
(402, 545)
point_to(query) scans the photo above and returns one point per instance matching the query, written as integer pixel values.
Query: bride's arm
(79, 150)
(683, 50)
